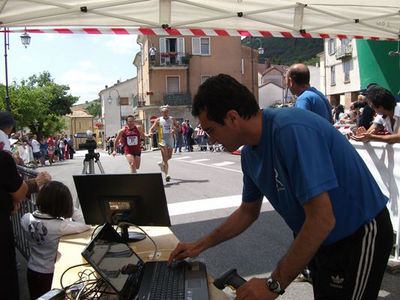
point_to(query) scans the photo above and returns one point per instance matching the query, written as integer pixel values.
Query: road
(204, 189)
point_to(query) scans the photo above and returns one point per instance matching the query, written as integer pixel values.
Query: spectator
(44, 228)
(308, 98)
(384, 104)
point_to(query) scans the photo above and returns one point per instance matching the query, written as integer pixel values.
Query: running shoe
(161, 165)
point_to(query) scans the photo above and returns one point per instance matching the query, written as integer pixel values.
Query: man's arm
(236, 223)
(317, 226)
(117, 141)
(151, 130)
(319, 222)
(370, 135)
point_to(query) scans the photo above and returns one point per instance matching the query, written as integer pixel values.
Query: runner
(130, 137)
(165, 125)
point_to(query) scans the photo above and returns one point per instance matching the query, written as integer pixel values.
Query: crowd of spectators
(31, 151)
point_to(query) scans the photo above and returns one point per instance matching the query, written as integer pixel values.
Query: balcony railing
(344, 51)
(170, 59)
(175, 99)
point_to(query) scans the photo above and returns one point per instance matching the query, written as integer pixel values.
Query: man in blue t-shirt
(308, 98)
(314, 179)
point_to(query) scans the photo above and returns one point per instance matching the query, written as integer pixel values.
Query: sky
(86, 63)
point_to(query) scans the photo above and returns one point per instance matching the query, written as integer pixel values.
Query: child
(44, 228)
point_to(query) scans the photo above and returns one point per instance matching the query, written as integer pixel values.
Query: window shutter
(196, 46)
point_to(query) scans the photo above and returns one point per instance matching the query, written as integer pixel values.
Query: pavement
(253, 253)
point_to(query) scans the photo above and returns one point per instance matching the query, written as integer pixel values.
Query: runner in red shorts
(130, 137)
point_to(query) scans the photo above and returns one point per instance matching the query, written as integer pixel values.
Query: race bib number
(132, 140)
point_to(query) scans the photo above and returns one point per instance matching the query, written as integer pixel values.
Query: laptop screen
(114, 260)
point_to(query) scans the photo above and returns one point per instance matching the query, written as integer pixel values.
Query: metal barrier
(26, 206)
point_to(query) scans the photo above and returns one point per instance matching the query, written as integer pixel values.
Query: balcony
(170, 60)
(344, 52)
(175, 99)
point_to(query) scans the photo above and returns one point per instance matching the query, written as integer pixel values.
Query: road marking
(224, 163)
(195, 206)
(181, 157)
(195, 162)
(200, 160)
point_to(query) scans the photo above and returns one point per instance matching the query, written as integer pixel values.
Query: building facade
(170, 70)
(117, 103)
(349, 65)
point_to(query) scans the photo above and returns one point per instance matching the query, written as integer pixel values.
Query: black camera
(90, 143)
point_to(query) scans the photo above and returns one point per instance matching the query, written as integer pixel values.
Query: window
(346, 70)
(201, 46)
(123, 101)
(204, 78)
(331, 46)
(172, 84)
(171, 50)
(333, 76)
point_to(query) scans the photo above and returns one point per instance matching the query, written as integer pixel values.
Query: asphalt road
(204, 189)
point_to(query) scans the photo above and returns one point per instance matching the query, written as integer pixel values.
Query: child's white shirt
(43, 233)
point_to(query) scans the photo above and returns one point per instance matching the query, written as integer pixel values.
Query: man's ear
(232, 118)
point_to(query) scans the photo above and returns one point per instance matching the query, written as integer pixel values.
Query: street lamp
(25, 39)
(260, 51)
(117, 100)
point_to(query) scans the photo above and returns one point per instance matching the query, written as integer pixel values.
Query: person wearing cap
(165, 126)
(384, 104)
(7, 124)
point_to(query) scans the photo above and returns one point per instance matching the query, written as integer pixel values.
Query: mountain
(285, 51)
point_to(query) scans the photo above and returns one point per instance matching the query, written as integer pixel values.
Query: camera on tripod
(91, 157)
(90, 143)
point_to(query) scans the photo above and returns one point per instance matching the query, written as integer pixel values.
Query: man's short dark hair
(130, 116)
(221, 93)
(300, 76)
(380, 96)
(55, 200)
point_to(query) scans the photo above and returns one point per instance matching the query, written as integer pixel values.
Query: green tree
(94, 108)
(40, 104)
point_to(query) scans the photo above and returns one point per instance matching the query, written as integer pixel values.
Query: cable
(138, 227)
(69, 268)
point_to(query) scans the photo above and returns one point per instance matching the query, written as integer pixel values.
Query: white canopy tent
(369, 19)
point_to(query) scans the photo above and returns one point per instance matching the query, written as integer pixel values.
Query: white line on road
(181, 157)
(212, 166)
(200, 160)
(224, 163)
(195, 206)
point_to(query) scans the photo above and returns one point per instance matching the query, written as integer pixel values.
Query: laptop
(133, 279)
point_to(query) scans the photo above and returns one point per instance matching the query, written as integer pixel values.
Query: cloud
(122, 44)
(84, 81)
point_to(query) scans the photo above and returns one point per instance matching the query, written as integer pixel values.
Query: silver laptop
(132, 278)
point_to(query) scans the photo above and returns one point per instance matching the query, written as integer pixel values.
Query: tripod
(90, 158)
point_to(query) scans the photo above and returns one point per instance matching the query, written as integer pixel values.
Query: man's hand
(255, 289)
(42, 178)
(184, 250)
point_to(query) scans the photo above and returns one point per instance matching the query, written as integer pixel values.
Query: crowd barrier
(382, 159)
(26, 206)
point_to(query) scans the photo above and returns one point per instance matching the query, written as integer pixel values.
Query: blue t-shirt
(301, 156)
(313, 100)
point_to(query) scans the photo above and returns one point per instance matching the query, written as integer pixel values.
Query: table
(71, 246)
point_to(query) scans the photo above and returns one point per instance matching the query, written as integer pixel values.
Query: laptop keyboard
(168, 283)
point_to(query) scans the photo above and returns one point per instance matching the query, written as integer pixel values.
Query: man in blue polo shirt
(308, 98)
(315, 180)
